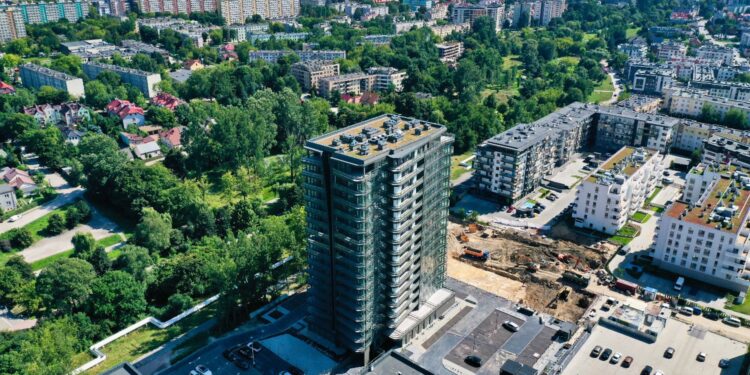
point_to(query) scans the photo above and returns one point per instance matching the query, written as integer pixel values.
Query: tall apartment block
(704, 235)
(177, 6)
(606, 199)
(272, 56)
(35, 76)
(552, 9)
(377, 205)
(352, 83)
(309, 73)
(463, 13)
(144, 81)
(387, 77)
(11, 24)
(513, 163)
(450, 52)
(237, 11)
(114, 8)
(52, 12)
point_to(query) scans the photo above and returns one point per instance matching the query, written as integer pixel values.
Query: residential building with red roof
(18, 179)
(6, 89)
(167, 101)
(172, 138)
(129, 113)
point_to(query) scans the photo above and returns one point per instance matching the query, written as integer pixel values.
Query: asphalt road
(211, 355)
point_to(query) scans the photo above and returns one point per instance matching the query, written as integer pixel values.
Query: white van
(679, 283)
(732, 321)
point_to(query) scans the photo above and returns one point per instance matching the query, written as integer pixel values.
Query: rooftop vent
(364, 149)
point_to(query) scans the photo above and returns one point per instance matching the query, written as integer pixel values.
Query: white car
(615, 358)
(14, 218)
(511, 326)
(203, 370)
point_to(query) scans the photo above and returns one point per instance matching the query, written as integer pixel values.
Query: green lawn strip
(571, 60)
(511, 61)
(456, 169)
(652, 196)
(744, 308)
(600, 96)
(640, 217)
(190, 345)
(36, 227)
(631, 32)
(620, 240)
(144, 340)
(105, 242)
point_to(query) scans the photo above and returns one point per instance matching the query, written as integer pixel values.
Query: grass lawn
(571, 60)
(603, 91)
(144, 340)
(606, 85)
(37, 228)
(631, 32)
(744, 308)
(456, 169)
(624, 235)
(620, 240)
(106, 242)
(501, 95)
(511, 61)
(588, 36)
(648, 200)
(640, 217)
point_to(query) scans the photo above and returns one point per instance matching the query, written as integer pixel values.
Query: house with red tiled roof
(167, 101)
(130, 139)
(6, 89)
(129, 113)
(18, 179)
(193, 65)
(172, 138)
(367, 98)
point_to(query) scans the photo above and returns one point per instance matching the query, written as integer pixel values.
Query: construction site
(544, 274)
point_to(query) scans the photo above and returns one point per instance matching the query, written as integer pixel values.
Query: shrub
(20, 238)
(55, 224)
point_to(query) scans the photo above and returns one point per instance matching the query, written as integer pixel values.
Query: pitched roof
(123, 108)
(145, 148)
(6, 88)
(173, 136)
(166, 100)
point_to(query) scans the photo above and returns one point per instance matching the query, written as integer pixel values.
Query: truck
(679, 283)
(576, 278)
(626, 286)
(481, 255)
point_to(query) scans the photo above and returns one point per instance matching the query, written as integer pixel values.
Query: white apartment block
(43, 12)
(144, 81)
(634, 51)
(704, 235)
(387, 77)
(467, 13)
(552, 9)
(450, 52)
(177, 6)
(11, 24)
(690, 102)
(606, 199)
(35, 76)
(671, 50)
(717, 53)
(237, 11)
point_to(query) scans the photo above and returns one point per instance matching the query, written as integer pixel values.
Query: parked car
(701, 357)
(473, 360)
(511, 326)
(697, 310)
(627, 361)
(615, 358)
(647, 370)
(596, 351)
(686, 311)
(658, 372)
(732, 321)
(605, 354)
(203, 370)
(669, 353)
(711, 315)
(723, 363)
(14, 218)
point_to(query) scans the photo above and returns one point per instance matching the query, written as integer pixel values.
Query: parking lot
(686, 340)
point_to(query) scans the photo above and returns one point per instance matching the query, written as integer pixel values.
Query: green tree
(100, 261)
(153, 230)
(84, 245)
(55, 224)
(51, 95)
(710, 114)
(20, 238)
(65, 285)
(736, 118)
(117, 300)
(134, 260)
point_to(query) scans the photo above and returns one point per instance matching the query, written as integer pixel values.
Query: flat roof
(376, 136)
(725, 193)
(626, 162)
(393, 362)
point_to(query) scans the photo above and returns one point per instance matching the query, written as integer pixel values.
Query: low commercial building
(353, 84)
(144, 81)
(704, 235)
(36, 76)
(387, 77)
(309, 73)
(606, 199)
